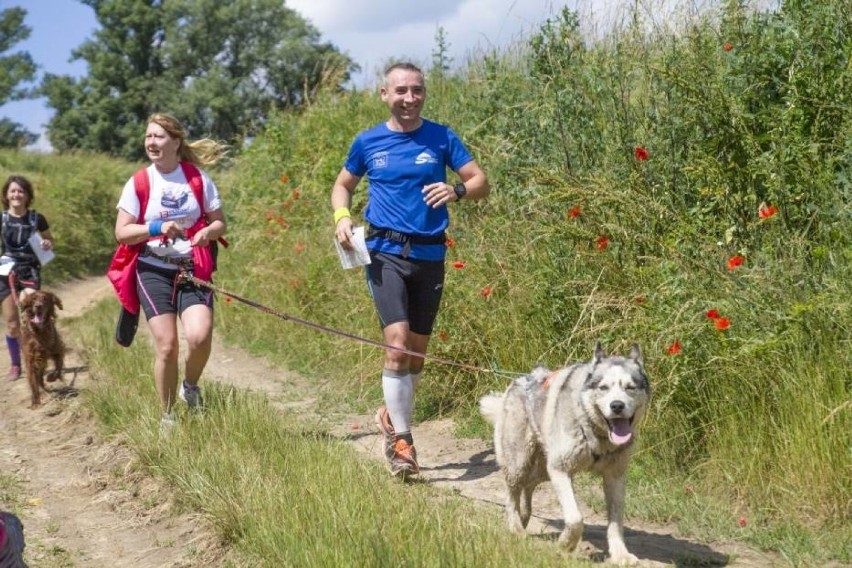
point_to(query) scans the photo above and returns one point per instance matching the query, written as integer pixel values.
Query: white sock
(399, 396)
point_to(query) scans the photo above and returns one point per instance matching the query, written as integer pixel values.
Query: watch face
(460, 190)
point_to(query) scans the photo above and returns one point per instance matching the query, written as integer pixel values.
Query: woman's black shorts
(162, 292)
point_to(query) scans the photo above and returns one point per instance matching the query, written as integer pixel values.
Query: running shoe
(167, 422)
(383, 421)
(191, 395)
(404, 460)
(14, 373)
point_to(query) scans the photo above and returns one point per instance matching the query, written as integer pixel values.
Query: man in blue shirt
(405, 160)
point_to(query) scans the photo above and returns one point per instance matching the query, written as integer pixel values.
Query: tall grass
(736, 109)
(77, 194)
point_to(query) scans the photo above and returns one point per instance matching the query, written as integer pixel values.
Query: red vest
(122, 268)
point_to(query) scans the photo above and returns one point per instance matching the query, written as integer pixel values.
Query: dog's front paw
(53, 376)
(570, 536)
(624, 559)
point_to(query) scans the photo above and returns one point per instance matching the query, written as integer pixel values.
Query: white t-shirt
(171, 199)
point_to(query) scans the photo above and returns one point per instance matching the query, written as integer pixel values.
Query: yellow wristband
(340, 213)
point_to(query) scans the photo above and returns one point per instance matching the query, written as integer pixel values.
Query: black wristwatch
(460, 190)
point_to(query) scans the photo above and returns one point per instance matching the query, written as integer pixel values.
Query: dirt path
(85, 505)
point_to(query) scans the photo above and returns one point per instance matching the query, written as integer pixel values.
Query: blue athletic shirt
(398, 165)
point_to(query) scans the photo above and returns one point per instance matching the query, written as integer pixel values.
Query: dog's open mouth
(620, 430)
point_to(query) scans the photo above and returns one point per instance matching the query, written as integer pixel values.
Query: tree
(15, 69)
(221, 67)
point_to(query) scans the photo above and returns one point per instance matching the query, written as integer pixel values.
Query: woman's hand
(46, 244)
(201, 238)
(172, 230)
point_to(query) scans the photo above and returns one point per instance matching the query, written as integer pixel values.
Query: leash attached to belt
(187, 276)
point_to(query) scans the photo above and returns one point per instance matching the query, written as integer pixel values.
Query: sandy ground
(87, 506)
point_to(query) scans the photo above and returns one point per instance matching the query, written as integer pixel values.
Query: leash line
(319, 327)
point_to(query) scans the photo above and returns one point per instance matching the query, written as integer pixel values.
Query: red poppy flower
(459, 264)
(735, 261)
(641, 299)
(270, 215)
(641, 153)
(766, 211)
(602, 242)
(574, 212)
(723, 323)
(297, 193)
(228, 300)
(713, 314)
(442, 335)
(450, 242)
(485, 292)
(742, 522)
(674, 348)
(299, 247)
(284, 179)
(727, 47)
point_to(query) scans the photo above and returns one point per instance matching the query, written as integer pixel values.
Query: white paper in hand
(358, 256)
(44, 256)
(6, 264)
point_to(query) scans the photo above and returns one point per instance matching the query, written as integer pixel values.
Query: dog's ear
(636, 353)
(599, 354)
(57, 302)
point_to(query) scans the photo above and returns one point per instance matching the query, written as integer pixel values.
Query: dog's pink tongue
(620, 432)
(36, 320)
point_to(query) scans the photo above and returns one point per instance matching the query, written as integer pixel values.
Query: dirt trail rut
(77, 514)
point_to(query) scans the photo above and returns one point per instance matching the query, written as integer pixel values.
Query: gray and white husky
(554, 424)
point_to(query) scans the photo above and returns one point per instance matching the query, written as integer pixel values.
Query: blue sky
(369, 31)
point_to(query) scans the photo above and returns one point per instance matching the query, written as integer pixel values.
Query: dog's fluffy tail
(491, 405)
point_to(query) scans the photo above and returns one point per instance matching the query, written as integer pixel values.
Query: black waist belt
(405, 238)
(182, 262)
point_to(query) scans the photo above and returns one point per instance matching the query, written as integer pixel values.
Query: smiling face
(404, 93)
(161, 147)
(17, 196)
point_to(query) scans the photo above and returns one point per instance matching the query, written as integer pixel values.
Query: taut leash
(319, 327)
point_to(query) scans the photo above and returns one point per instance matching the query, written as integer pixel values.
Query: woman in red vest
(170, 225)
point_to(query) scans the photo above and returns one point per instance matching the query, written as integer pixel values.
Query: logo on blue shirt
(380, 159)
(425, 158)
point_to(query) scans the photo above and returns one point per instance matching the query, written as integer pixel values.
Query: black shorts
(26, 276)
(406, 290)
(160, 291)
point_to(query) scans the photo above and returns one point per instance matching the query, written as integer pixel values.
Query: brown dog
(40, 340)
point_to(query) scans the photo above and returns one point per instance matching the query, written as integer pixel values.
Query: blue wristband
(155, 228)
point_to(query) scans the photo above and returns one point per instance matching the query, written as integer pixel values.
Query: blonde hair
(203, 152)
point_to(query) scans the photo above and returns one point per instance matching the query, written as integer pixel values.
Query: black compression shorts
(406, 290)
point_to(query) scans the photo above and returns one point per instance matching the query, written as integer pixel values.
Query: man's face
(404, 93)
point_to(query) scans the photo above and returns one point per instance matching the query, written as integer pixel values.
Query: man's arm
(475, 185)
(474, 180)
(341, 200)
